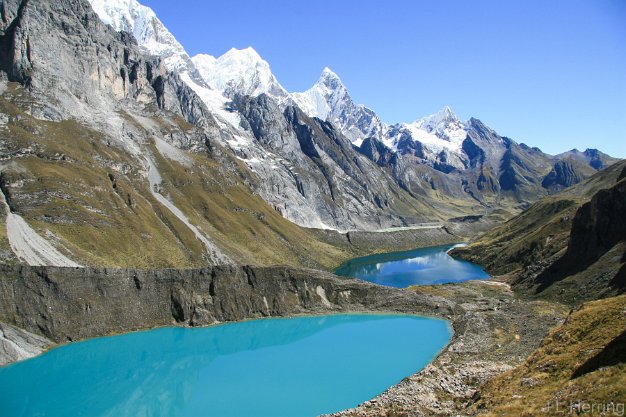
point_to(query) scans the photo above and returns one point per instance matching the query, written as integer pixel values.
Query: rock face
(597, 246)
(563, 175)
(67, 304)
(599, 224)
(356, 194)
(18, 344)
(570, 246)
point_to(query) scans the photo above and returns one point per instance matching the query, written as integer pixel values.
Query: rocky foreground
(493, 332)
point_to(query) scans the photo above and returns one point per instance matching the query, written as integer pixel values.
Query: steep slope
(572, 240)
(341, 183)
(241, 72)
(152, 36)
(565, 173)
(579, 368)
(114, 161)
(329, 100)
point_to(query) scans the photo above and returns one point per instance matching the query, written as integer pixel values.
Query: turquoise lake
(425, 266)
(296, 367)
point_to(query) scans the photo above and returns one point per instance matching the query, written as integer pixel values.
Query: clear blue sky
(547, 73)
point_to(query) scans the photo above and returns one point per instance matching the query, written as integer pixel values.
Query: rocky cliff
(569, 246)
(67, 304)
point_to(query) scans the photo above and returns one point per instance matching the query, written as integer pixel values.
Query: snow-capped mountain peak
(445, 125)
(331, 85)
(239, 71)
(329, 100)
(141, 21)
(440, 136)
(445, 115)
(328, 76)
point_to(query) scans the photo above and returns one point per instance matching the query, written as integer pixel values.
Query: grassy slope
(92, 199)
(581, 361)
(556, 371)
(74, 198)
(241, 223)
(540, 232)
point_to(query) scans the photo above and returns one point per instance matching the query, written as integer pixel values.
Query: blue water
(424, 266)
(261, 368)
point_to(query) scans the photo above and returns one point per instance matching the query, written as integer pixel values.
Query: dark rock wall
(76, 303)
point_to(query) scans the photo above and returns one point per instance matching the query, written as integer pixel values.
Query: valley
(143, 188)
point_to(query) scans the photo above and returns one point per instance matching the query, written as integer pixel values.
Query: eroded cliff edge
(493, 329)
(66, 304)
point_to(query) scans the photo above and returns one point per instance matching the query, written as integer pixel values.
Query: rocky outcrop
(569, 247)
(376, 151)
(563, 175)
(595, 260)
(66, 304)
(34, 52)
(599, 225)
(18, 344)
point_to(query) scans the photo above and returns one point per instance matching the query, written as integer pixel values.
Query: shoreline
(492, 329)
(53, 345)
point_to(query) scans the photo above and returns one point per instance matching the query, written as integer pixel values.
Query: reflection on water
(424, 266)
(278, 367)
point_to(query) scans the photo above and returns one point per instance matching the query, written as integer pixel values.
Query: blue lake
(293, 367)
(425, 266)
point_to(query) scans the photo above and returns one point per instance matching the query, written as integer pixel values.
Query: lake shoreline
(431, 265)
(208, 361)
(476, 310)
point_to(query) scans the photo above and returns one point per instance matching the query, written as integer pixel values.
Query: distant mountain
(120, 135)
(570, 246)
(151, 35)
(241, 72)
(329, 100)
(592, 157)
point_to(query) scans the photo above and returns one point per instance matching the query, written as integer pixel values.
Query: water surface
(425, 266)
(261, 368)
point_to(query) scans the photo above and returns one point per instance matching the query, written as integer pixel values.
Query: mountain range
(109, 126)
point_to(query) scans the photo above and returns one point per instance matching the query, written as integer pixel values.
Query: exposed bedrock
(67, 304)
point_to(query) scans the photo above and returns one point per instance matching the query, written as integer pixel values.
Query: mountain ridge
(102, 138)
(436, 140)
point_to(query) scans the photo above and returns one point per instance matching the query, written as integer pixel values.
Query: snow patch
(215, 102)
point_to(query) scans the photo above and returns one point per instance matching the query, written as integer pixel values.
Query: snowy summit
(239, 71)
